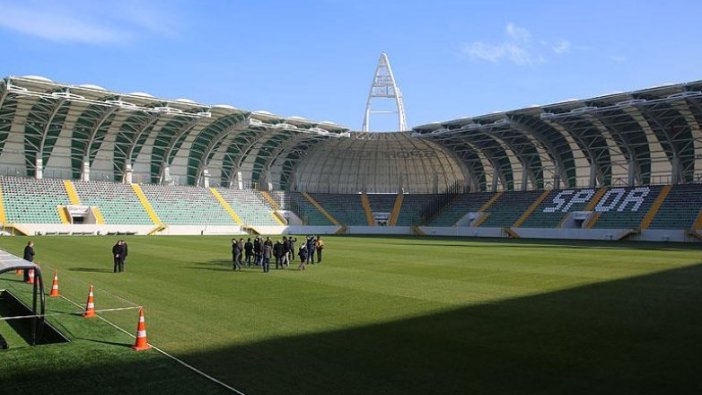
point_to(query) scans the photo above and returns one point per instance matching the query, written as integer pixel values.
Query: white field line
(74, 280)
(194, 369)
(19, 317)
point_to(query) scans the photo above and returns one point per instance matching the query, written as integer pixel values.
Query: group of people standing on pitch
(313, 245)
(259, 252)
(119, 254)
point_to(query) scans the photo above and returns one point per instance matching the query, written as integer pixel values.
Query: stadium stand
(250, 206)
(412, 207)
(117, 202)
(382, 202)
(185, 205)
(625, 207)
(346, 209)
(509, 207)
(462, 205)
(434, 165)
(296, 202)
(680, 208)
(31, 201)
(549, 215)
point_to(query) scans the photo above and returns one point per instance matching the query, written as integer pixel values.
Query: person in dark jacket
(236, 254)
(266, 254)
(285, 258)
(278, 254)
(123, 256)
(117, 256)
(291, 242)
(257, 248)
(303, 256)
(248, 251)
(311, 245)
(28, 256)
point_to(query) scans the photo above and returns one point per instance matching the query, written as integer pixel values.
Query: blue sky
(316, 58)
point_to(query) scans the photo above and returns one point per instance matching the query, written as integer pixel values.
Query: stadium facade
(86, 133)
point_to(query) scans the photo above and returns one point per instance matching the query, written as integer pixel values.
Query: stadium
(546, 249)
(622, 166)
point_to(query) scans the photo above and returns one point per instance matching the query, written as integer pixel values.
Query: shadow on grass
(13, 280)
(106, 342)
(224, 266)
(90, 270)
(491, 243)
(212, 269)
(637, 335)
(218, 262)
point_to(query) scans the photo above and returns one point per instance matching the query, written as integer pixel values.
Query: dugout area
(73, 354)
(31, 326)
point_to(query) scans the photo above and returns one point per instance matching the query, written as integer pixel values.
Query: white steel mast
(384, 87)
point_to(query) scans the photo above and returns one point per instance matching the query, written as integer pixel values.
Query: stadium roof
(648, 136)
(57, 124)
(56, 130)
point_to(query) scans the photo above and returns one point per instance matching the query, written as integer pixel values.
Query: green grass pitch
(380, 315)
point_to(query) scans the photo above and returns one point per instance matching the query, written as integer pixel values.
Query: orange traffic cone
(54, 287)
(19, 272)
(30, 278)
(141, 343)
(90, 306)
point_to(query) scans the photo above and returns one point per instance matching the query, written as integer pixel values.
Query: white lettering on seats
(636, 197)
(559, 201)
(583, 196)
(610, 200)
(618, 199)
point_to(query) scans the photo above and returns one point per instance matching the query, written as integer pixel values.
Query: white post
(206, 177)
(39, 174)
(85, 174)
(128, 173)
(166, 175)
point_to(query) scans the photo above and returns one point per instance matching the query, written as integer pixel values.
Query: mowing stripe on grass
(103, 290)
(19, 317)
(194, 369)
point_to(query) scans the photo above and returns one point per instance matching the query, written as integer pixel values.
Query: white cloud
(518, 47)
(561, 46)
(84, 22)
(517, 33)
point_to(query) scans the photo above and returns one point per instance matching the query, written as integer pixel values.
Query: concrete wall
(569, 233)
(677, 235)
(172, 230)
(665, 235)
(379, 230)
(462, 231)
(296, 230)
(33, 229)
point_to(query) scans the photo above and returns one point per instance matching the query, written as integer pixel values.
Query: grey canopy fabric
(10, 262)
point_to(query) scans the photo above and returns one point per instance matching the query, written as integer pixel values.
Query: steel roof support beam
(554, 155)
